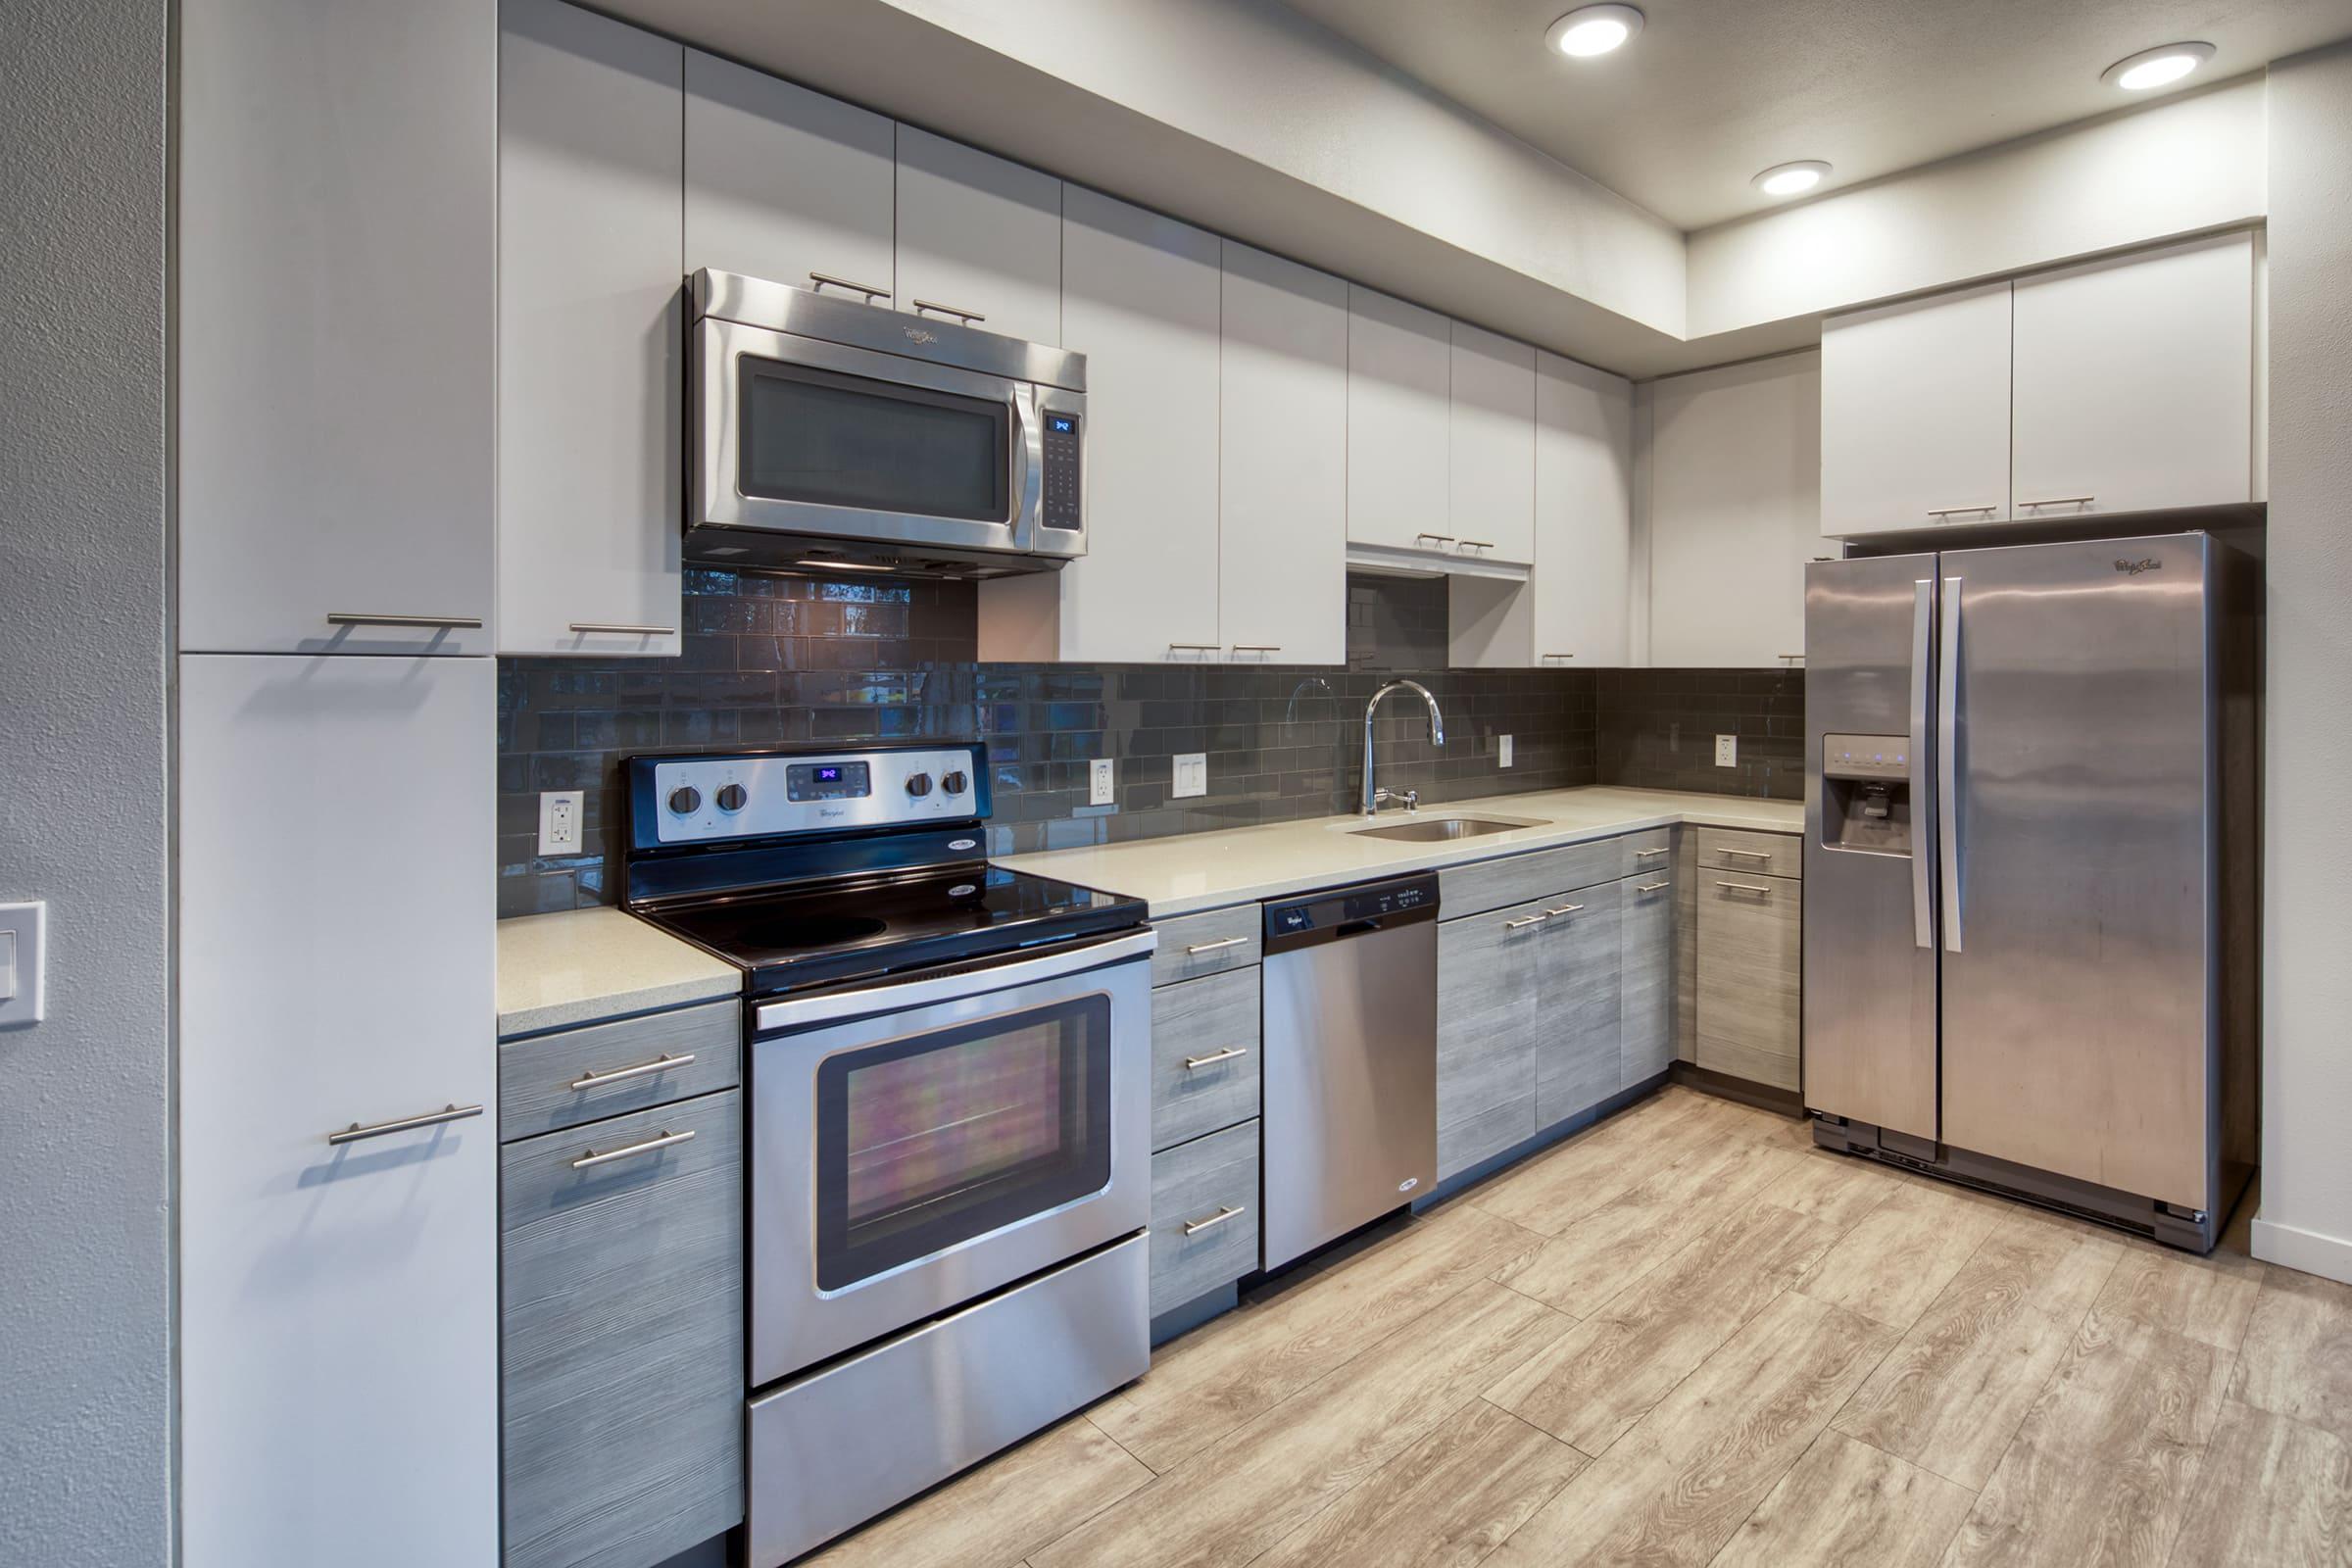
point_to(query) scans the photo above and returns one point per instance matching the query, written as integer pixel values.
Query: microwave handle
(827, 1007)
(1029, 474)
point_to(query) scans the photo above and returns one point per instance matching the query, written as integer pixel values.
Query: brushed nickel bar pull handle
(1644, 854)
(1442, 538)
(1225, 1211)
(2061, 501)
(431, 1118)
(1960, 512)
(1752, 854)
(968, 316)
(1257, 648)
(1195, 647)
(820, 280)
(1559, 656)
(354, 617)
(1790, 658)
(661, 1064)
(1474, 544)
(1565, 908)
(1746, 887)
(1650, 887)
(1214, 947)
(1533, 919)
(663, 1141)
(1195, 1063)
(624, 629)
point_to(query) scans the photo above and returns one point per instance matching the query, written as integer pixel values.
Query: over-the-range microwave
(829, 432)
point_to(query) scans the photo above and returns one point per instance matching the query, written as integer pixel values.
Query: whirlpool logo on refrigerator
(2132, 568)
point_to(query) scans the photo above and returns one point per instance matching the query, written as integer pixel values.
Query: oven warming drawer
(834, 1449)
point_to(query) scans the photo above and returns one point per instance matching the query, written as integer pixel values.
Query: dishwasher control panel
(1326, 911)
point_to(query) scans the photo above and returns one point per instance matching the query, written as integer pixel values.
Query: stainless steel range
(949, 1068)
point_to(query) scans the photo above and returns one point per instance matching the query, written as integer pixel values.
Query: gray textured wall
(85, 1366)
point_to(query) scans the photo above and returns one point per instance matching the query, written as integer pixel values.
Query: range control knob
(954, 783)
(685, 799)
(730, 797)
(918, 785)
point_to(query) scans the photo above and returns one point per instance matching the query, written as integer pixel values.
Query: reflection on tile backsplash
(1657, 729)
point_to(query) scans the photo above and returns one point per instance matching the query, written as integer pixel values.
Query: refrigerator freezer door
(1869, 949)
(2077, 1010)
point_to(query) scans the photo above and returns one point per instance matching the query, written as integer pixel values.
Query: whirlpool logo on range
(2132, 568)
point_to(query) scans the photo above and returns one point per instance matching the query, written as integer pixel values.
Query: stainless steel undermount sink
(1441, 829)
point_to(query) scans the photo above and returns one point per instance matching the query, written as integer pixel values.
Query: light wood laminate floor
(1688, 1336)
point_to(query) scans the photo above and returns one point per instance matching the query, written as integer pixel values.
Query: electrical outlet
(1727, 750)
(1503, 750)
(1101, 782)
(559, 822)
(1190, 777)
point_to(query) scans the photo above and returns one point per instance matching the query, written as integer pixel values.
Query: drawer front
(622, 1338)
(1193, 1185)
(550, 1082)
(1749, 934)
(1486, 885)
(1721, 849)
(1198, 1083)
(1194, 945)
(1648, 854)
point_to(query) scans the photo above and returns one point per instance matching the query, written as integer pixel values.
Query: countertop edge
(584, 966)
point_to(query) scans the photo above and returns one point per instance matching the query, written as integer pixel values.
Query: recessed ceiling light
(1787, 180)
(2156, 67)
(1594, 30)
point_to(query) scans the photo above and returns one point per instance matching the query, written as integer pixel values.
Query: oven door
(801, 436)
(916, 1145)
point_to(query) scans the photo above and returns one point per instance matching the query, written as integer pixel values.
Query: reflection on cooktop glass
(786, 928)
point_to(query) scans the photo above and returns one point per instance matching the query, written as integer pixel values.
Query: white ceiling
(1714, 90)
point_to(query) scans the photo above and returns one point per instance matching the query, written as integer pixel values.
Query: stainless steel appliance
(2028, 860)
(948, 1069)
(833, 433)
(1350, 1076)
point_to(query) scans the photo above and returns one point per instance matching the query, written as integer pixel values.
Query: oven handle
(794, 1011)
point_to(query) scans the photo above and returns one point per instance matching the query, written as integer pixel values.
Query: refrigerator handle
(1947, 765)
(1923, 813)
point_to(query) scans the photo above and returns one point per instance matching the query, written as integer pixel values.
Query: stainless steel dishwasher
(1351, 1067)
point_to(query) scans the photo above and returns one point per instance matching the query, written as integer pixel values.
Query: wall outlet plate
(1727, 750)
(1503, 751)
(1191, 776)
(21, 959)
(1102, 781)
(560, 814)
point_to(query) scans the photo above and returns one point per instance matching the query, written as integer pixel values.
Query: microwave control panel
(1061, 499)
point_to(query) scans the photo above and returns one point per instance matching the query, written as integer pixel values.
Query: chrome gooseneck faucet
(1437, 737)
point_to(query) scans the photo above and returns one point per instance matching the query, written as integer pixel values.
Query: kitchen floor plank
(1848, 1504)
(2296, 1357)
(1601, 1377)
(1209, 1382)
(1241, 1496)
(1837, 1190)
(2204, 1298)
(1902, 1255)
(1553, 1190)
(1674, 1488)
(2101, 1467)
(1952, 1394)
(2272, 1493)
(1444, 1502)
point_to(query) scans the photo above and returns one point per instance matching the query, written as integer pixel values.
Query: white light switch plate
(1727, 750)
(1504, 752)
(1191, 776)
(21, 963)
(1101, 781)
(559, 820)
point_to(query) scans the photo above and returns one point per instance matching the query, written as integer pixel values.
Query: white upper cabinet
(1581, 584)
(979, 238)
(1400, 419)
(1733, 511)
(590, 334)
(2134, 382)
(1491, 471)
(1915, 414)
(786, 184)
(335, 321)
(1282, 582)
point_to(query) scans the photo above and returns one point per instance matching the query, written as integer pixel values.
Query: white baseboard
(2329, 1256)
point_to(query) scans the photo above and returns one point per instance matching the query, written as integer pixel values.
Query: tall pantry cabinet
(336, 1139)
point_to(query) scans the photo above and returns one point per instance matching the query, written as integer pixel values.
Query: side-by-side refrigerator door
(1869, 1045)
(2076, 876)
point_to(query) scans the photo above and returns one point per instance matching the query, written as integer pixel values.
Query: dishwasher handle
(1341, 913)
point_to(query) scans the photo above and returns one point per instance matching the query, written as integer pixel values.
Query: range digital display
(827, 781)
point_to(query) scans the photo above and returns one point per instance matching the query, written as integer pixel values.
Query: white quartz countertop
(580, 965)
(1193, 872)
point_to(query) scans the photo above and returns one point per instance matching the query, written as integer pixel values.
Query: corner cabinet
(591, 334)
(1749, 971)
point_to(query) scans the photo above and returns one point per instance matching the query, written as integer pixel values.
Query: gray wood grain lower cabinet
(1203, 1215)
(1215, 940)
(1646, 967)
(1488, 978)
(552, 1081)
(1579, 1024)
(1204, 1056)
(1749, 934)
(1484, 885)
(621, 1330)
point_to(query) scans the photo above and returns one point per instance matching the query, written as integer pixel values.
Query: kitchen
(1007, 817)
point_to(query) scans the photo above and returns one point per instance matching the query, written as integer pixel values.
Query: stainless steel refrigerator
(2029, 921)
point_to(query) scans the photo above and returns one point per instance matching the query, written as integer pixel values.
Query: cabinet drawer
(1486, 885)
(1749, 934)
(1723, 848)
(1648, 854)
(622, 1333)
(553, 1081)
(1194, 945)
(1204, 1056)
(1209, 1185)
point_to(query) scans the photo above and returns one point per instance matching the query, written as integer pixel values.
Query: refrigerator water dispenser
(1866, 792)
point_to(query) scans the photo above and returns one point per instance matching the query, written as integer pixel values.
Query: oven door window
(822, 438)
(926, 1141)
